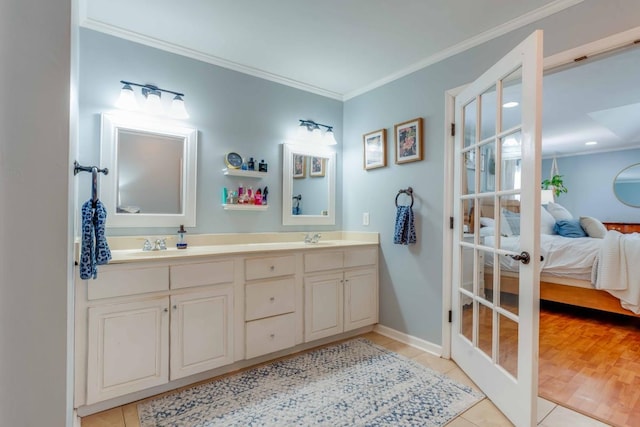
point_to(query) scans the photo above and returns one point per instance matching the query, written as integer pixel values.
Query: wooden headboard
(487, 206)
(487, 210)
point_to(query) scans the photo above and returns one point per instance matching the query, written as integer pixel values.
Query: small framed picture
(470, 159)
(375, 149)
(317, 167)
(408, 141)
(299, 166)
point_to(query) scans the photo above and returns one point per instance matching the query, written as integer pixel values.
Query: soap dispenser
(182, 243)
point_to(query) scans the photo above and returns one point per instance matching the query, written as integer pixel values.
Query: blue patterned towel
(95, 250)
(405, 231)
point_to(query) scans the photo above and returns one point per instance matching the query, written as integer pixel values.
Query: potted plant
(556, 184)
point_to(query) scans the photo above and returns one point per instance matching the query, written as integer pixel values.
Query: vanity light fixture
(152, 100)
(591, 143)
(310, 131)
(510, 104)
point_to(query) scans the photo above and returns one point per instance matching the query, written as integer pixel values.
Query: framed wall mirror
(153, 172)
(626, 185)
(308, 185)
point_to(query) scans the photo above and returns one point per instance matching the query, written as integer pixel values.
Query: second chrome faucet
(312, 238)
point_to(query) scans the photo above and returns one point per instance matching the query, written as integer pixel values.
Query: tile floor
(483, 414)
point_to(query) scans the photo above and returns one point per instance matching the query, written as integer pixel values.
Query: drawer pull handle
(175, 307)
(166, 310)
(272, 299)
(272, 336)
(273, 267)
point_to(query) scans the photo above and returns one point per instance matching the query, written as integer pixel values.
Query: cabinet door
(361, 298)
(323, 312)
(201, 331)
(128, 348)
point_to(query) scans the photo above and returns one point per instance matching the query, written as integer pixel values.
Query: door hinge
(453, 129)
(450, 315)
(451, 222)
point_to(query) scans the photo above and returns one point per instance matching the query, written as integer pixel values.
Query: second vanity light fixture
(309, 131)
(152, 103)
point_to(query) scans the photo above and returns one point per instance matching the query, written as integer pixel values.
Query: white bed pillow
(558, 211)
(509, 223)
(486, 231)
(487, 222)
(547, 221)
(593, 227)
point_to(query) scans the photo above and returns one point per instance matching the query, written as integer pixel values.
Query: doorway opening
(627, 328)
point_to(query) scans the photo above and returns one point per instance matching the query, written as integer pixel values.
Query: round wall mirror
(626, 185)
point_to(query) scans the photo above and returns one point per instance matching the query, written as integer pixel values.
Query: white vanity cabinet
(148, 325)
(340, 291)
(128, 347)
(270, 304)
(201, 331)
(151, 325)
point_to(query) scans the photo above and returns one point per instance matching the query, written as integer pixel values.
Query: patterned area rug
(355, 383)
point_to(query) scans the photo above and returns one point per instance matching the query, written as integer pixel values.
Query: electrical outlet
(365, 218)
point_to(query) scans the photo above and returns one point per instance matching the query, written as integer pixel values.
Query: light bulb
(153, 105)
(127, 99)
(329, 138)
(177, 108)
(316, 135)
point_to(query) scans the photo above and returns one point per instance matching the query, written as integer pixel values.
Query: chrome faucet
(315, 238)
(159, 244)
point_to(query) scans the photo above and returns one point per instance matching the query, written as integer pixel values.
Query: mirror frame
(615, 179)
(288, 150)
(110, 124)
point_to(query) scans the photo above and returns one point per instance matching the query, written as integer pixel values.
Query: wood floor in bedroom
(590, 362)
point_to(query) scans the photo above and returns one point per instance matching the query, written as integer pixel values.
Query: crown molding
(514, 24)
(542, 12)
(200, 56)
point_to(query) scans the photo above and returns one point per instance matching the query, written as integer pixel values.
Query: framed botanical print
(299, 166)
(317, 167)
(408, 141)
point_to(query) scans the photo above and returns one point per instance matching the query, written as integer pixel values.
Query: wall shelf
(243, 173)
(243, 207)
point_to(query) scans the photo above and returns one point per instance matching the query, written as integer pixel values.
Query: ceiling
(338, 48)
(342, 48)
(597, 99)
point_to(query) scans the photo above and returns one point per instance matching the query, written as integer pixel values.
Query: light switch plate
(365, 218)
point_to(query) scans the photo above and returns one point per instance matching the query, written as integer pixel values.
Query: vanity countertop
(128, 249)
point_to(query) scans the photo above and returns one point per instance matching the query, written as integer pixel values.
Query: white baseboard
(409, 340)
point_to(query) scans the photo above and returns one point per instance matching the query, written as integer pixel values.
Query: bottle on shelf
(244, 165)
(258, 197)
(262, 166)
(251, 165)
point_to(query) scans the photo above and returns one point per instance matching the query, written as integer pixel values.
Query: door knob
(524, 257)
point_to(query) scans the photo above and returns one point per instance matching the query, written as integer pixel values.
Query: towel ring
(409, 192)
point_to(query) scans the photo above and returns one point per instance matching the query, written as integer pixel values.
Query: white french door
(496, 253)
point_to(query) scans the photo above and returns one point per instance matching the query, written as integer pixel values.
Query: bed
(570, 266)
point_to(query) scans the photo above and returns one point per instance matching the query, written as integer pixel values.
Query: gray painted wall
(411, 277)
(232, 111)
(35, 49)
(589, 179)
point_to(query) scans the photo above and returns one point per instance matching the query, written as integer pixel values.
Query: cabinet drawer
(357, 257)
(128, 281)
(206, 273)
(271, 334)
(269, 298)
(264, 268)
(323, 261)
